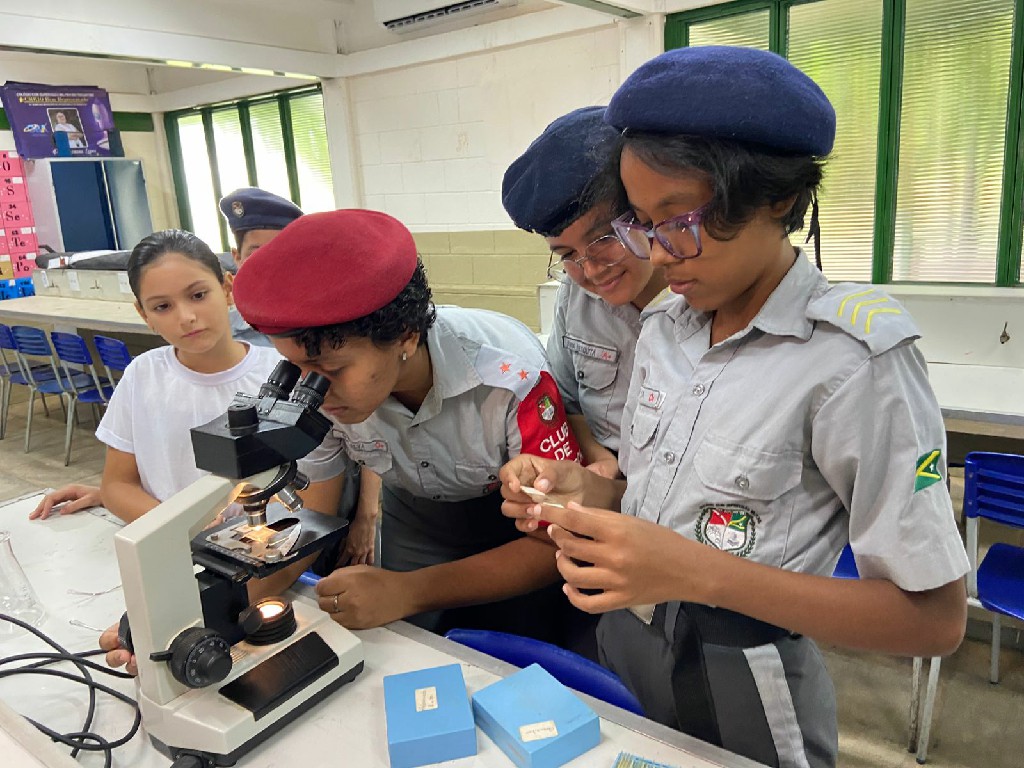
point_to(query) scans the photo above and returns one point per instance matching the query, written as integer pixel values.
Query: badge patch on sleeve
(728, 527)
(927, 470)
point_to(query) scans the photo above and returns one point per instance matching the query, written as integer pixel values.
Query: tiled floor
(976, 724)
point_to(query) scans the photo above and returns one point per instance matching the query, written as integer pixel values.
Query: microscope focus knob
(199, 657)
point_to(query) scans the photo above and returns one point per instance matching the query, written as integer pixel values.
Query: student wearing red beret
(434, 401)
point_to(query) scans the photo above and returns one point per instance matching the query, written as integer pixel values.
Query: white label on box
(44, 279)
(426, 698)
(73, 281)
(538, 731)
(122, 282)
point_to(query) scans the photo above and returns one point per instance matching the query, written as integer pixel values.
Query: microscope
(217, 675)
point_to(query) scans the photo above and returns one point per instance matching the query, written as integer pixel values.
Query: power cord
(84, 739)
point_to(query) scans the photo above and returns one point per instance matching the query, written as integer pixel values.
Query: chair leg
(28, 425)
(929, 708)
(5, 397)
(46, 408)
(72, 400)
(993, 674)
(95, 415)
(915, 703)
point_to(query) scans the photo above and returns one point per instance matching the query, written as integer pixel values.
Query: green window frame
(1010, 239)
(243, 109)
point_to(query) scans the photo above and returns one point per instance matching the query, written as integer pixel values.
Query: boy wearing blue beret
(565, 188)
(771, 419)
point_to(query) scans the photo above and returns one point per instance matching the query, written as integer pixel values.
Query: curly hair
(743, 177)
(411, 311)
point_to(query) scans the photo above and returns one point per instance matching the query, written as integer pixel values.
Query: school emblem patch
(728, 527)
(927, 470)
(238, 209)
(546, 409)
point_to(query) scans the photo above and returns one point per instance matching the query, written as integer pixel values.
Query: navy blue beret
(542, 189)
(251, 208)
(740, 94)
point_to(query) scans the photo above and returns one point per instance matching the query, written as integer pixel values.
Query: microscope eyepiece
(311, 391)
(282, 381)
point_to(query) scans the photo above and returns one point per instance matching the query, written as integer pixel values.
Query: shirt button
(669, 457)
(492, 477)
(742, 482)
(579, 375)
(424, 463)
(698, 390)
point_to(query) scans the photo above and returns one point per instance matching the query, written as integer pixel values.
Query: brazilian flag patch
(927, 470)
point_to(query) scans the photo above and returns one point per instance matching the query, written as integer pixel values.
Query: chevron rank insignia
(927, 470)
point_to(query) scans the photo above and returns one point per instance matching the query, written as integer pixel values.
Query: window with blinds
(312, 158)
(838, 44)
(952, 136)
(251, 146)
(746, 29)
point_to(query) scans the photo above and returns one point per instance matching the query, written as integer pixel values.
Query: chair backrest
(567, 667)
(846, 568)
(31, 342)
(7, 338)
(72, 349)
(994, 489)
(113, 352)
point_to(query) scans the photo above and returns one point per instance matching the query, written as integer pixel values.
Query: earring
(404, 357)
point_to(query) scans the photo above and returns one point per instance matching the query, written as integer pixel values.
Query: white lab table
(67, 312)
(980, 399)
(347, 729)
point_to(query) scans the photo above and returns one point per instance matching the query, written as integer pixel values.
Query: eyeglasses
(606, 251)
(679, 235)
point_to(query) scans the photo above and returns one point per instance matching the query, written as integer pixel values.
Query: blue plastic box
(428, 716)
(535, 720)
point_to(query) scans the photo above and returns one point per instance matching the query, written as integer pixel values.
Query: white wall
(433, 140)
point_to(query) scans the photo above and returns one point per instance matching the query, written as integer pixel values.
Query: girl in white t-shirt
(182, 294)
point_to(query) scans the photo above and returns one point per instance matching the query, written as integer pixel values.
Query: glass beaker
(17, 598)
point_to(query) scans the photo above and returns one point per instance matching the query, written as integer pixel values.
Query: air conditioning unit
(413, 15)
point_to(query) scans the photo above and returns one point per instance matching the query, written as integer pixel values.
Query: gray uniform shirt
(242, 331)
(813, 424)
(591, 350)
(493, 398)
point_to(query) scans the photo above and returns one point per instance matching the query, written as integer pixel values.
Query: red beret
(325, 269)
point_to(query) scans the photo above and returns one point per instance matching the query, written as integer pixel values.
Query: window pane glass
(955, 81)
(268, 149)
(748, 29)
(202, 202)
(227, 135)
(312, 159)
(838, 44)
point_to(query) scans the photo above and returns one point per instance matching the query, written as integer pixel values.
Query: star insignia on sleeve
(524, 375)
(505, 367)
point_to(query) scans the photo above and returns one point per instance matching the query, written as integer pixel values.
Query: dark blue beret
(542, 189)
(251, 208)
(740, 94)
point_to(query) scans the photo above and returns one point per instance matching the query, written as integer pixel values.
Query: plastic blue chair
(13, 371)
(32, 343)
(920, 721)
(994, 489)
(113, 354)
(72, 350)
(567, 667)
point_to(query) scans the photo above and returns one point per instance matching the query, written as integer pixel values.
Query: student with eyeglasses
(771, 419)
(565, 188)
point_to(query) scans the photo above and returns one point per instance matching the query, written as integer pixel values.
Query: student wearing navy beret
(433, 402)
(565, 188)
(771, 419)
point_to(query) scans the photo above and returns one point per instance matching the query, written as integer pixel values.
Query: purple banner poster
(36, 112)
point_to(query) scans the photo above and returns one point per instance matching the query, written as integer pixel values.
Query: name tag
(652, 398)
(368, 446)
(585, 348)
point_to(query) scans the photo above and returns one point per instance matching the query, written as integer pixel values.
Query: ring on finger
(335, 604)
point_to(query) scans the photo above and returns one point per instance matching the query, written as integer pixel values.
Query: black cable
(84, 739)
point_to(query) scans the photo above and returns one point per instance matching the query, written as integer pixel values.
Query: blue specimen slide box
(428, 716)
(535, 720)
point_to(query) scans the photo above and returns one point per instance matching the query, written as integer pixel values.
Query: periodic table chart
(18, 242)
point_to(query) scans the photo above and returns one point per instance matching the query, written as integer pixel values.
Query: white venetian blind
(746, 29)
(268, 148)
(955, 80)
(202, 202)
(838, 44)
(227, 137)
(312, 158)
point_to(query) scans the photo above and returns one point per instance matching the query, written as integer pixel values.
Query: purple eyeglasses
(679, 235)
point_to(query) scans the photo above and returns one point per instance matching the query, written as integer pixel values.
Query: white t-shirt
(159, 400)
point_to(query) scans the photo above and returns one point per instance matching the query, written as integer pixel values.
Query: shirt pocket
(477, 478)
(373, 454)
(643, 430)
(744, 497)
(594, 374)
